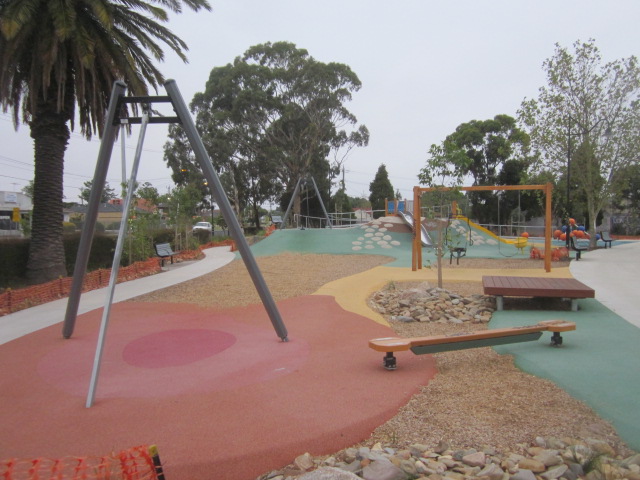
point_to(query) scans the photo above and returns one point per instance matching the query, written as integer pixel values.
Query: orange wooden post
(547, 228)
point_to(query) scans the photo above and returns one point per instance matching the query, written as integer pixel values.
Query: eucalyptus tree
(58, 62)
(486, 150)
(585, 124)
(273, 113)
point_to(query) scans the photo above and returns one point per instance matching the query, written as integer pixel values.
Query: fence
(19, 299)
(137, 463)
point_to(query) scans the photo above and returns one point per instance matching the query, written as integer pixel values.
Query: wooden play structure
(485, 338)
(416, 259)
(503, 286)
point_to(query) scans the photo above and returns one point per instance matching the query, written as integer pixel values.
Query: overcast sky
(425, 68)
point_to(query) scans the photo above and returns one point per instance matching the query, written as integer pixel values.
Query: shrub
(100, 256)
(202, 236)
(68, 227)
(14, 253)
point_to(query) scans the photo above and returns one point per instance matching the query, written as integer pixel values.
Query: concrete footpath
(614, 273)
(35, 318)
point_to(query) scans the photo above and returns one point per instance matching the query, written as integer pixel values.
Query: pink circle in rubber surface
(175, 348)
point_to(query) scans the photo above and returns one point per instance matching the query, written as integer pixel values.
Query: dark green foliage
(380, 190)
(493, 152)
(203, 236)
(102, 249)
(13, 261)
(273, 116)
(108, 193)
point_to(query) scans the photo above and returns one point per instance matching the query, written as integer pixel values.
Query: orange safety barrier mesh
(135, 463)
(15, 300)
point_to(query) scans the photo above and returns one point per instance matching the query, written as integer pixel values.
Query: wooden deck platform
(503, 286)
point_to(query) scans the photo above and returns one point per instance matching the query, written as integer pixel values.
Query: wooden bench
(606, 238)
(163, 250)
(535, 287)
(461, 341)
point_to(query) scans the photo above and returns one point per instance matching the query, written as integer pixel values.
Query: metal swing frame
(113, 120)
(296, 191)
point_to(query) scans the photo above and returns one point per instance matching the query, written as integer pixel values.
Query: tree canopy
(587, 117)
(273, 116)
(492, 152)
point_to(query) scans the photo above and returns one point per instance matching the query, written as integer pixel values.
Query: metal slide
(424, 235)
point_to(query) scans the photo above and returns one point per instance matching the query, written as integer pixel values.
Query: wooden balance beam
(460, 341)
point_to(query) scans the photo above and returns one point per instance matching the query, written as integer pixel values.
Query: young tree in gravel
(480, 149)
(585, 123)
(54, 55)
(380, 190)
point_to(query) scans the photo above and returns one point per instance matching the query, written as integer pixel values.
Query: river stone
(554, 472)
(383, 470)
(550, 458)
(632, 460)
(491, 471)
(530, 464)
(329, 473)
(477, 459)
(523, 474)
(304, 462)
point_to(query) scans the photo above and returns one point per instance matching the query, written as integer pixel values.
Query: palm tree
(58, 62)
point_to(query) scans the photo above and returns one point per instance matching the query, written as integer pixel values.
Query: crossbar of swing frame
(416, 254)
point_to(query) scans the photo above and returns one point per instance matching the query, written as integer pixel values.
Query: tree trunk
(591, 228)
(46, 253)
(297, 204)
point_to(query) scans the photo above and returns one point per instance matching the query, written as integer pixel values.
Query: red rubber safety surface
(216, 390)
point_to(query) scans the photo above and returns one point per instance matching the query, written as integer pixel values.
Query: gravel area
(478, 398)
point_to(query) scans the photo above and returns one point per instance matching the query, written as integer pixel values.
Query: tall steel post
(91, 217)
(225, 207)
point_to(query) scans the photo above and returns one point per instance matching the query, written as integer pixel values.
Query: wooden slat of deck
(536, 287)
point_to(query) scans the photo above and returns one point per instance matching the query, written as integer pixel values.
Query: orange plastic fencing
(15, 300)
(137, 463)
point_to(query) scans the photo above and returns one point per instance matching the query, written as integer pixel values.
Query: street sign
(16, 214)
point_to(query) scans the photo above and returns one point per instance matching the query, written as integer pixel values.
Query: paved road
(614, 273)
(26, 321)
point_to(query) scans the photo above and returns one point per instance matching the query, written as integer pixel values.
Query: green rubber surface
(598, 363)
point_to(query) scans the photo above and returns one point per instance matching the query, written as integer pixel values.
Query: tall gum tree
(58, 62)
(277, 113)
(585, 124)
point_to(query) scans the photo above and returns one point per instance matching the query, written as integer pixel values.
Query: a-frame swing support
(112, 122)
(296, 191)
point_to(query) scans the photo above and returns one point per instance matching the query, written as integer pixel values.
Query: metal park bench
(606, 238)
(163, 250)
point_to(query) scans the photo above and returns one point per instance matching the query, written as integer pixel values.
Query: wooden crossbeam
(460, 341)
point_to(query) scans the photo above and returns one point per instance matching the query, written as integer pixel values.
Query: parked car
(200, 226)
